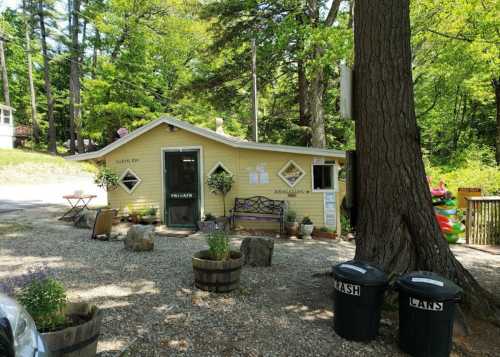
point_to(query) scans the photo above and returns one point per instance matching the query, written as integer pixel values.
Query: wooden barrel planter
(217, 276)
(80, 340)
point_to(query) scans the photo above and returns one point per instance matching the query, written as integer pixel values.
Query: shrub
(41, 294)
(327, 230)
(306, 220)
(146, 212)
(218, 245)
(220, 183)
(45, 301)
(291, 216)
(107, 179)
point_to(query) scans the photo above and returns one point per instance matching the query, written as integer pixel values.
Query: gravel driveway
(152, 308)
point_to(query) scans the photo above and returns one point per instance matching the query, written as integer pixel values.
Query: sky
(9, 3)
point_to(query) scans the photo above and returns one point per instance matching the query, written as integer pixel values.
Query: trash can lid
(429, 285)
(360, 272)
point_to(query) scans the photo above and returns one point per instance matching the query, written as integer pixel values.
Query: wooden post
(468, 222)
(255, 127)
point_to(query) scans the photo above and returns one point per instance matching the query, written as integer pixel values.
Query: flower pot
(207, 226)
(219, 276)
(292, 229)
(79, 340)
(325, 235)
(307, 230)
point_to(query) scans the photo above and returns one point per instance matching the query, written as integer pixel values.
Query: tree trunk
(496, 86)
(397, 228)
(5, 78)
(75, 95)
(51, 137)
(72, 146)
(255, 103)
(34, 121)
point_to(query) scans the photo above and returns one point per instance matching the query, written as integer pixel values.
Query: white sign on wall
(330, 209)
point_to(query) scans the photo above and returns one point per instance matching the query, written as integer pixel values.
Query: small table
(77, 203)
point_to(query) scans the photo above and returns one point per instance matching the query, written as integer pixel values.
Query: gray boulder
(85, 219)
(139, 238)
(257, 251)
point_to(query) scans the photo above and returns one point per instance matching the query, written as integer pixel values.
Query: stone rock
(139, 238)
(85, 219)
(257, 251)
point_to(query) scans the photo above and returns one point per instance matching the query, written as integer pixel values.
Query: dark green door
(182, 189)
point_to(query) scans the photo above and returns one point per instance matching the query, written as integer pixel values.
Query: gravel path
(152, 308)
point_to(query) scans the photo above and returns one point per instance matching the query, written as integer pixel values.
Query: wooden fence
(483, 220)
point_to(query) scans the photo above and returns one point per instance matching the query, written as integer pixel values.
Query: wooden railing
(483, 220)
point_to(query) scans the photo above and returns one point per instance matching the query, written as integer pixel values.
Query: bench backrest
(259, 204)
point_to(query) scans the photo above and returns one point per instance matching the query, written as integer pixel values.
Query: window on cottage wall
(129, 180)
(6, 116)
(323, 177)
(291, 173)
(219, 168)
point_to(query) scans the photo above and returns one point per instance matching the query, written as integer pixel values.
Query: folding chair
(103, 223)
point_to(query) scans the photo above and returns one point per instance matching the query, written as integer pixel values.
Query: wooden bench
(259, 208)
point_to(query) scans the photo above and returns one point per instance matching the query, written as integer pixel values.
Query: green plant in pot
(218, 268)
(106, 179)
(307, 227)
(291, 224)
(220, 183)
(44, 298)
(148, 215)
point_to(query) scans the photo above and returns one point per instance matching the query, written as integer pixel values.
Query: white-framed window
(219, 167)
(291, 173)
(323, 177)
(6, 116)
(129, 180)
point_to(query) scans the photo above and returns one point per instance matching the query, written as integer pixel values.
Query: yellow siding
(143, 156)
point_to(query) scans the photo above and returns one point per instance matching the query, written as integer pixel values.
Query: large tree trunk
(396, 227)
(5, 77)
(51, 137)
(75, 95)
(496, 86)
(34, 121)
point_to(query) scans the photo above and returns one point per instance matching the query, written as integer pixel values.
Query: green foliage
(220, 183)
(306, 220)
(209, 217)
(45, 301)
(327, 230)
(474, 167)
(218, 245)
(345, 224)
(291, 216)
(106, 178)
(151, 211)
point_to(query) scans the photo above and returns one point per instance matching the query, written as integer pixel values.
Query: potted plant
(307, 228)
(106, 179)
(325, 232)
(44, 298)
(217, 269)
(148, 215)
(135, 216)
(207, 224)
(291, 224)
(220, 183)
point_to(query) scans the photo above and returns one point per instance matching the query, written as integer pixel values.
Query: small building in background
(6, 127)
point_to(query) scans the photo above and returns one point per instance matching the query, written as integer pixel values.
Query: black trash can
(427, 304)
(358, 296)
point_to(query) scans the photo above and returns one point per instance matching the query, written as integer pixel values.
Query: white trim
(199, 150)
(211, 171)
(334, 182)
(280, 173)
(139, 180)
(210, 134)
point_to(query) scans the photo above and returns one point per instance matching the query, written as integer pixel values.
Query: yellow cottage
(165, 164)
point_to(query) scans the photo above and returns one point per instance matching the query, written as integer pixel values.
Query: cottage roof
(210, 134)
